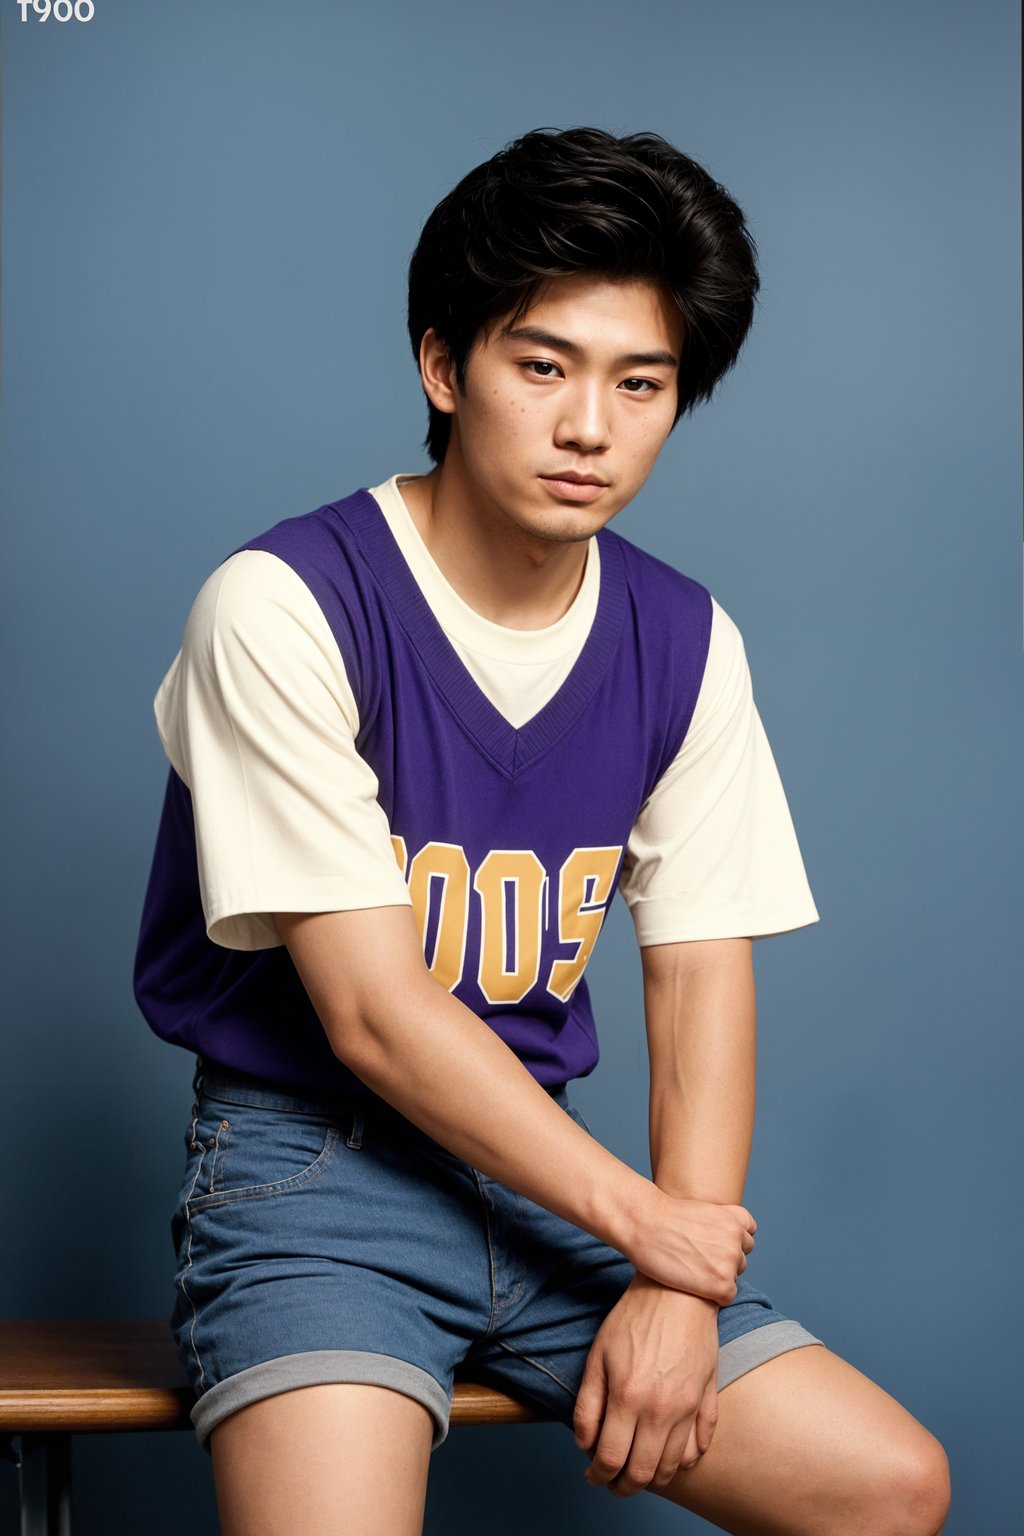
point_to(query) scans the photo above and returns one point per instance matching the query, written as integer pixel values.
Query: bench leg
(45, 1473)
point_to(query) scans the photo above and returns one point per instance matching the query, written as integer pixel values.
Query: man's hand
(648, 1401)
(696, 1246)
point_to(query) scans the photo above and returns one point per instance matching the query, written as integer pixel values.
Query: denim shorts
(336, 1242)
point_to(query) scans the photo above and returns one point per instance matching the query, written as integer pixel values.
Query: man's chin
(573, 526)
(566, 535)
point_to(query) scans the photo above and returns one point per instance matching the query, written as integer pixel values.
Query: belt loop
(355, 1140)
(197, 1077)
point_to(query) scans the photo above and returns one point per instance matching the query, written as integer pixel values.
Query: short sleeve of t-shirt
(257, 717)
(713, 853)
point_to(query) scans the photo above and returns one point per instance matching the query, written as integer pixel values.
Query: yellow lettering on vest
(584, 886)
(509, 939)
(447, 864)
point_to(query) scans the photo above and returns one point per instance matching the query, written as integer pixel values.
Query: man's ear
(438, 372)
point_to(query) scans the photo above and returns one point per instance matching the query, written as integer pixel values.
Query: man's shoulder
(332, 524)
(277, 569)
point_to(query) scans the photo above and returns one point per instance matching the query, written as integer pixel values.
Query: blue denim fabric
(334, 1241)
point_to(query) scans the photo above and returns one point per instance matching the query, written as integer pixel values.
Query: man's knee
(918, 1492)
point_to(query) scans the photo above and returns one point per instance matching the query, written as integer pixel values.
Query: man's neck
(503, 572)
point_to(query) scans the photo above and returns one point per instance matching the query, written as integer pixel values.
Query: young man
(418, 738)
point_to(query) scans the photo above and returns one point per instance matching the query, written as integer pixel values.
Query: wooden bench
(69, 1376)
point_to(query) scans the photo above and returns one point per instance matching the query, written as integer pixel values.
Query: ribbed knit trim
(469, 629)
(508, 749)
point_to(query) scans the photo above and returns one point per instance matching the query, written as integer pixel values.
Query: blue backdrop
(207, 214)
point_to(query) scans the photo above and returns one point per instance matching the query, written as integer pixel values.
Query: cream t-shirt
(257, 716)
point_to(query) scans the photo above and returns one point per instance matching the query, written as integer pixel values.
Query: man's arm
(648, 1401)
(700, 1009)
(443, 1068)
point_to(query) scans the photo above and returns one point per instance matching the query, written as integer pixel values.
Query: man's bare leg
(336, 1460)
(808, 1446)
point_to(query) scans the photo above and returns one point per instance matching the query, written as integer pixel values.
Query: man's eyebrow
(562, 344)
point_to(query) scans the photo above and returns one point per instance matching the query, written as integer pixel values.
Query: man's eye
(540, 363)
(647, 386)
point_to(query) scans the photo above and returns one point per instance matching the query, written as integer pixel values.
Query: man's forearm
(659, 1347)
(443, 1068)
(700, 1009)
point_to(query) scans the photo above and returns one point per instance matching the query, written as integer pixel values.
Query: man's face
(582, 388)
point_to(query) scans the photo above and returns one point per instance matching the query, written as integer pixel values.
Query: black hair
(554, 202)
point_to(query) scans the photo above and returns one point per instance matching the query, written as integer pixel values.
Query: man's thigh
(323, 1459)
(807, 1445)
(313, 1251)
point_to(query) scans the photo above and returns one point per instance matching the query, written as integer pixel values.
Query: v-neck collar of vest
(509, 749)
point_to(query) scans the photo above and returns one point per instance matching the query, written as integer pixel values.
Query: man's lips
(575, 487)
(577, 477)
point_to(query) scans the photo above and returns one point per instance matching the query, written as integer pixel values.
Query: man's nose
(584, 420)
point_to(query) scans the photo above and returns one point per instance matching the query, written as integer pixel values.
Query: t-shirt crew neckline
(462, 622)
(509, 748)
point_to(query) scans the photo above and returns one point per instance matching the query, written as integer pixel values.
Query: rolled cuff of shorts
(315, 1368)
(758, 1345)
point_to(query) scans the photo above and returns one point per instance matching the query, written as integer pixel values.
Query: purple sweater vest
(511, 840)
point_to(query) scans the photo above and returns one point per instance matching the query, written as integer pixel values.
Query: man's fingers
(672, 1455)
(590, 1406)
(688, 1441)
(707, 1418)
(645, 1456)
(660, 1444)
(691, 1451)
(613, 1447)
(745, 1218)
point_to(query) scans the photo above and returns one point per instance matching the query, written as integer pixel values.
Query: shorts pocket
(245, 1152)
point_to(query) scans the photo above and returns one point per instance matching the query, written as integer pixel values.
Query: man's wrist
(694, 1189)
(625, 1212)
(641, 1282)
